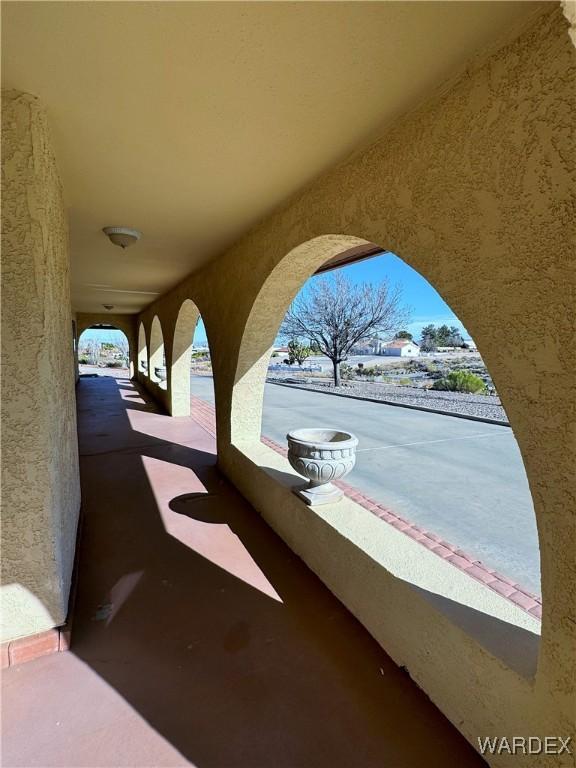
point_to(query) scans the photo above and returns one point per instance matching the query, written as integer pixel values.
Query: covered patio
(166, 598)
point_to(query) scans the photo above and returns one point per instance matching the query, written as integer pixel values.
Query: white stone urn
(321, 456)
(160, 372)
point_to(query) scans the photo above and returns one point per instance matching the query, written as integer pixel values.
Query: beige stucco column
(180, 356)
(40, 482)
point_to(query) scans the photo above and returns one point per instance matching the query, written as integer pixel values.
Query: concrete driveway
(461, 479)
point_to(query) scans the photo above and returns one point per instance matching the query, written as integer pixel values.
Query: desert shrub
(115, 364)
(84, 361)
(372, 370)
(461, 381)
(347, 372)
(405, 383)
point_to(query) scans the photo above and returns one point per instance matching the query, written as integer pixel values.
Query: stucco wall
(474, 190)
(40, 482)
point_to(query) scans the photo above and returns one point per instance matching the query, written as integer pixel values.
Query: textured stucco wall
(475, 190)
(40, 482)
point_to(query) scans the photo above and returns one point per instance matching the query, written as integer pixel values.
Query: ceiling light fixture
(108, 306)
(122, 236)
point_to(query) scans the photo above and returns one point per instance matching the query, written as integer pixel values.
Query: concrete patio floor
(199, 638)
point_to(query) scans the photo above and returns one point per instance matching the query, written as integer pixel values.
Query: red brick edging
(27, 648)
(203, 413)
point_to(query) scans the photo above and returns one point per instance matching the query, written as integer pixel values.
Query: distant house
(401, 348)
(366, 347)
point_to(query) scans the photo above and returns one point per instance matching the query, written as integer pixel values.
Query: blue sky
(426, 303)
(101, 334)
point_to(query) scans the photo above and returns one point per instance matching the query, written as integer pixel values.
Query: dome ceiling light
(122, 236)
(108, 306)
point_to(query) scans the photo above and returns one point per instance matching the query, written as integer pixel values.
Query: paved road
(463, 480)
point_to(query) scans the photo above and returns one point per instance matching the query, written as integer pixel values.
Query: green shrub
(115, 364)
(461, 381)
(370, 371)
(83, 361)
(347, 372)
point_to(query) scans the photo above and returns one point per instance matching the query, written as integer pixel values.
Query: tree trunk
(336, 366)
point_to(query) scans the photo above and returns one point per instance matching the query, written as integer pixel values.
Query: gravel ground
(116, 373)
(455, 402)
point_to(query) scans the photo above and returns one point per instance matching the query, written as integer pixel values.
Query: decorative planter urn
(160, 372)
(321, 456)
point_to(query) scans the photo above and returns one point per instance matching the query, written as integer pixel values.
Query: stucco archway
(260, 332)
(124, 323)
(103, 337)
(266, 315)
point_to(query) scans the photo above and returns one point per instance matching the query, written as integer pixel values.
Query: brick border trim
(204, 414)
(32, 647)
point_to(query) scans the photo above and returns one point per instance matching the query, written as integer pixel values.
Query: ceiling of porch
(192, 121)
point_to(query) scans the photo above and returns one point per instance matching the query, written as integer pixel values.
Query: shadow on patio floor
(199, 637)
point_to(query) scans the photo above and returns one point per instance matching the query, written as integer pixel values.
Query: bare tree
(335, 314)
(122, 346)
(93, 351)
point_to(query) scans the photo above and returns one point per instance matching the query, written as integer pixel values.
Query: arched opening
(104, 351)
(157, 359)
(464, 483)
(182, 351)
(263, 324)
(191, 374)
(142, 351)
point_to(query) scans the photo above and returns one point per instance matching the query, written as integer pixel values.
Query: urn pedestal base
(319, 494)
